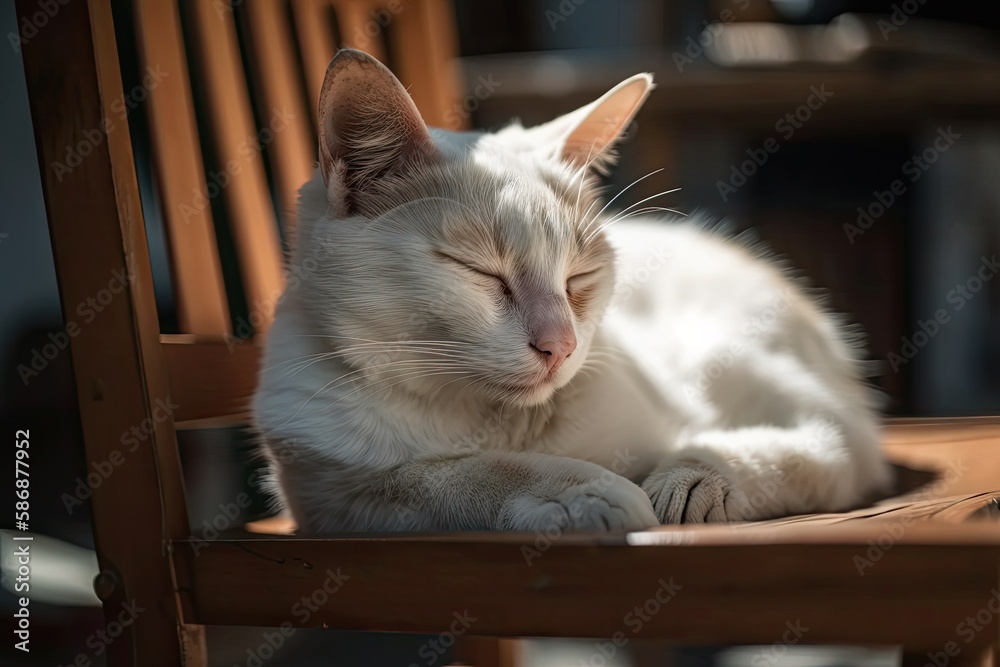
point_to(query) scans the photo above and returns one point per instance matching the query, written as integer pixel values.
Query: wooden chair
(906, 573)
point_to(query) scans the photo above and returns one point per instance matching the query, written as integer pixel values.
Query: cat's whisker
(295, 360)
(396, 362)
(336, 384)
(647, 209)
(397, 349)
(340, 381)
(643, 211)
(381, 342)
(407, 378)
(626, 210)
(593, 360)
(643, 201)
(439, 354)
(430, 347)
(623, 191)
(601, 358)
(620, 218)
(606, 350)
(405, 343)
(306, 364)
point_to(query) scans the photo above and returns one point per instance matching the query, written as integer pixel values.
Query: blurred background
(859, 139)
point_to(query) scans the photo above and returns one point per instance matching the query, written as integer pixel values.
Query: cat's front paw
(593, 505)
(693, 493)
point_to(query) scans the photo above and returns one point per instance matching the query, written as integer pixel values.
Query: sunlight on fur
(474, 340)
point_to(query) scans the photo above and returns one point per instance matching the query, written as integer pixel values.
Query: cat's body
(455, 352)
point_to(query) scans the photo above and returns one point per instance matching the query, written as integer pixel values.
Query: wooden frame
(737, 584)
(731, 589)
(73, 78)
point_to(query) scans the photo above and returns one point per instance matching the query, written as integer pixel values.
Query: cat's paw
(693, 493)
(592, 505)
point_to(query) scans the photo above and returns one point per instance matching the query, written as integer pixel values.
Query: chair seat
(905, 570)
(947, 471)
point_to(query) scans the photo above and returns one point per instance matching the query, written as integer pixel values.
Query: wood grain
(426, 43)
(96, 226)
(240, 144)
(358, 29)
(211, 378)
(194, 254)
(317, 45)
(293, 151)
(734, 588)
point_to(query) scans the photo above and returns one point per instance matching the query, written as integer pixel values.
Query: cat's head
(457, 262)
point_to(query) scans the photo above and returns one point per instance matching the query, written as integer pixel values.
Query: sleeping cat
(471, 340)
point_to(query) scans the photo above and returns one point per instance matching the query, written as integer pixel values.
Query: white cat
(453, 351)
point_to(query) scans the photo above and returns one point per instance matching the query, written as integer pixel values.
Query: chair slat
(358, 29)
(212, 379)
(95, 221)
(194, 254)
(426, 43)
(239, 145)
(317, 45)
(274, 60)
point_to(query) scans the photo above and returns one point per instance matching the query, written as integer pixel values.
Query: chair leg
(487, 652)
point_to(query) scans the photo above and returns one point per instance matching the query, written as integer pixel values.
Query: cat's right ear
(369, 128)
(587, 137)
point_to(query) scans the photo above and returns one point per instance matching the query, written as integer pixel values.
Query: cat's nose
(554, 350)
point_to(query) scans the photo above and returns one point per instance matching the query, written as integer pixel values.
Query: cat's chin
(525, 395)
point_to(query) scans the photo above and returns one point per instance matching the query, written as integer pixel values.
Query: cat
(470, 341)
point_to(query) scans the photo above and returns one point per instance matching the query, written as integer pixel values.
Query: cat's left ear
(588, 135)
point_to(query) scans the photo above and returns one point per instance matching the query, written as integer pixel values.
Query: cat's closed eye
(581, 281)
(499, 282)
(580, 289)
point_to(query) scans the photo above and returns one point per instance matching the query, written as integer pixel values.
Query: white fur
(703, 377)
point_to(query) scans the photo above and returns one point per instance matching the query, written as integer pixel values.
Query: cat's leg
(762, 472)
(781, 432)
(482, 491)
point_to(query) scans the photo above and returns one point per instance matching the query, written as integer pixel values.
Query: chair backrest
(229, 88)
(287, 45)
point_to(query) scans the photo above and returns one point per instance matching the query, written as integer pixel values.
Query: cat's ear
(369, 127)
(588, 135)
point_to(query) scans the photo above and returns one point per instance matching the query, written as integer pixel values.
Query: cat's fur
(434, 271)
